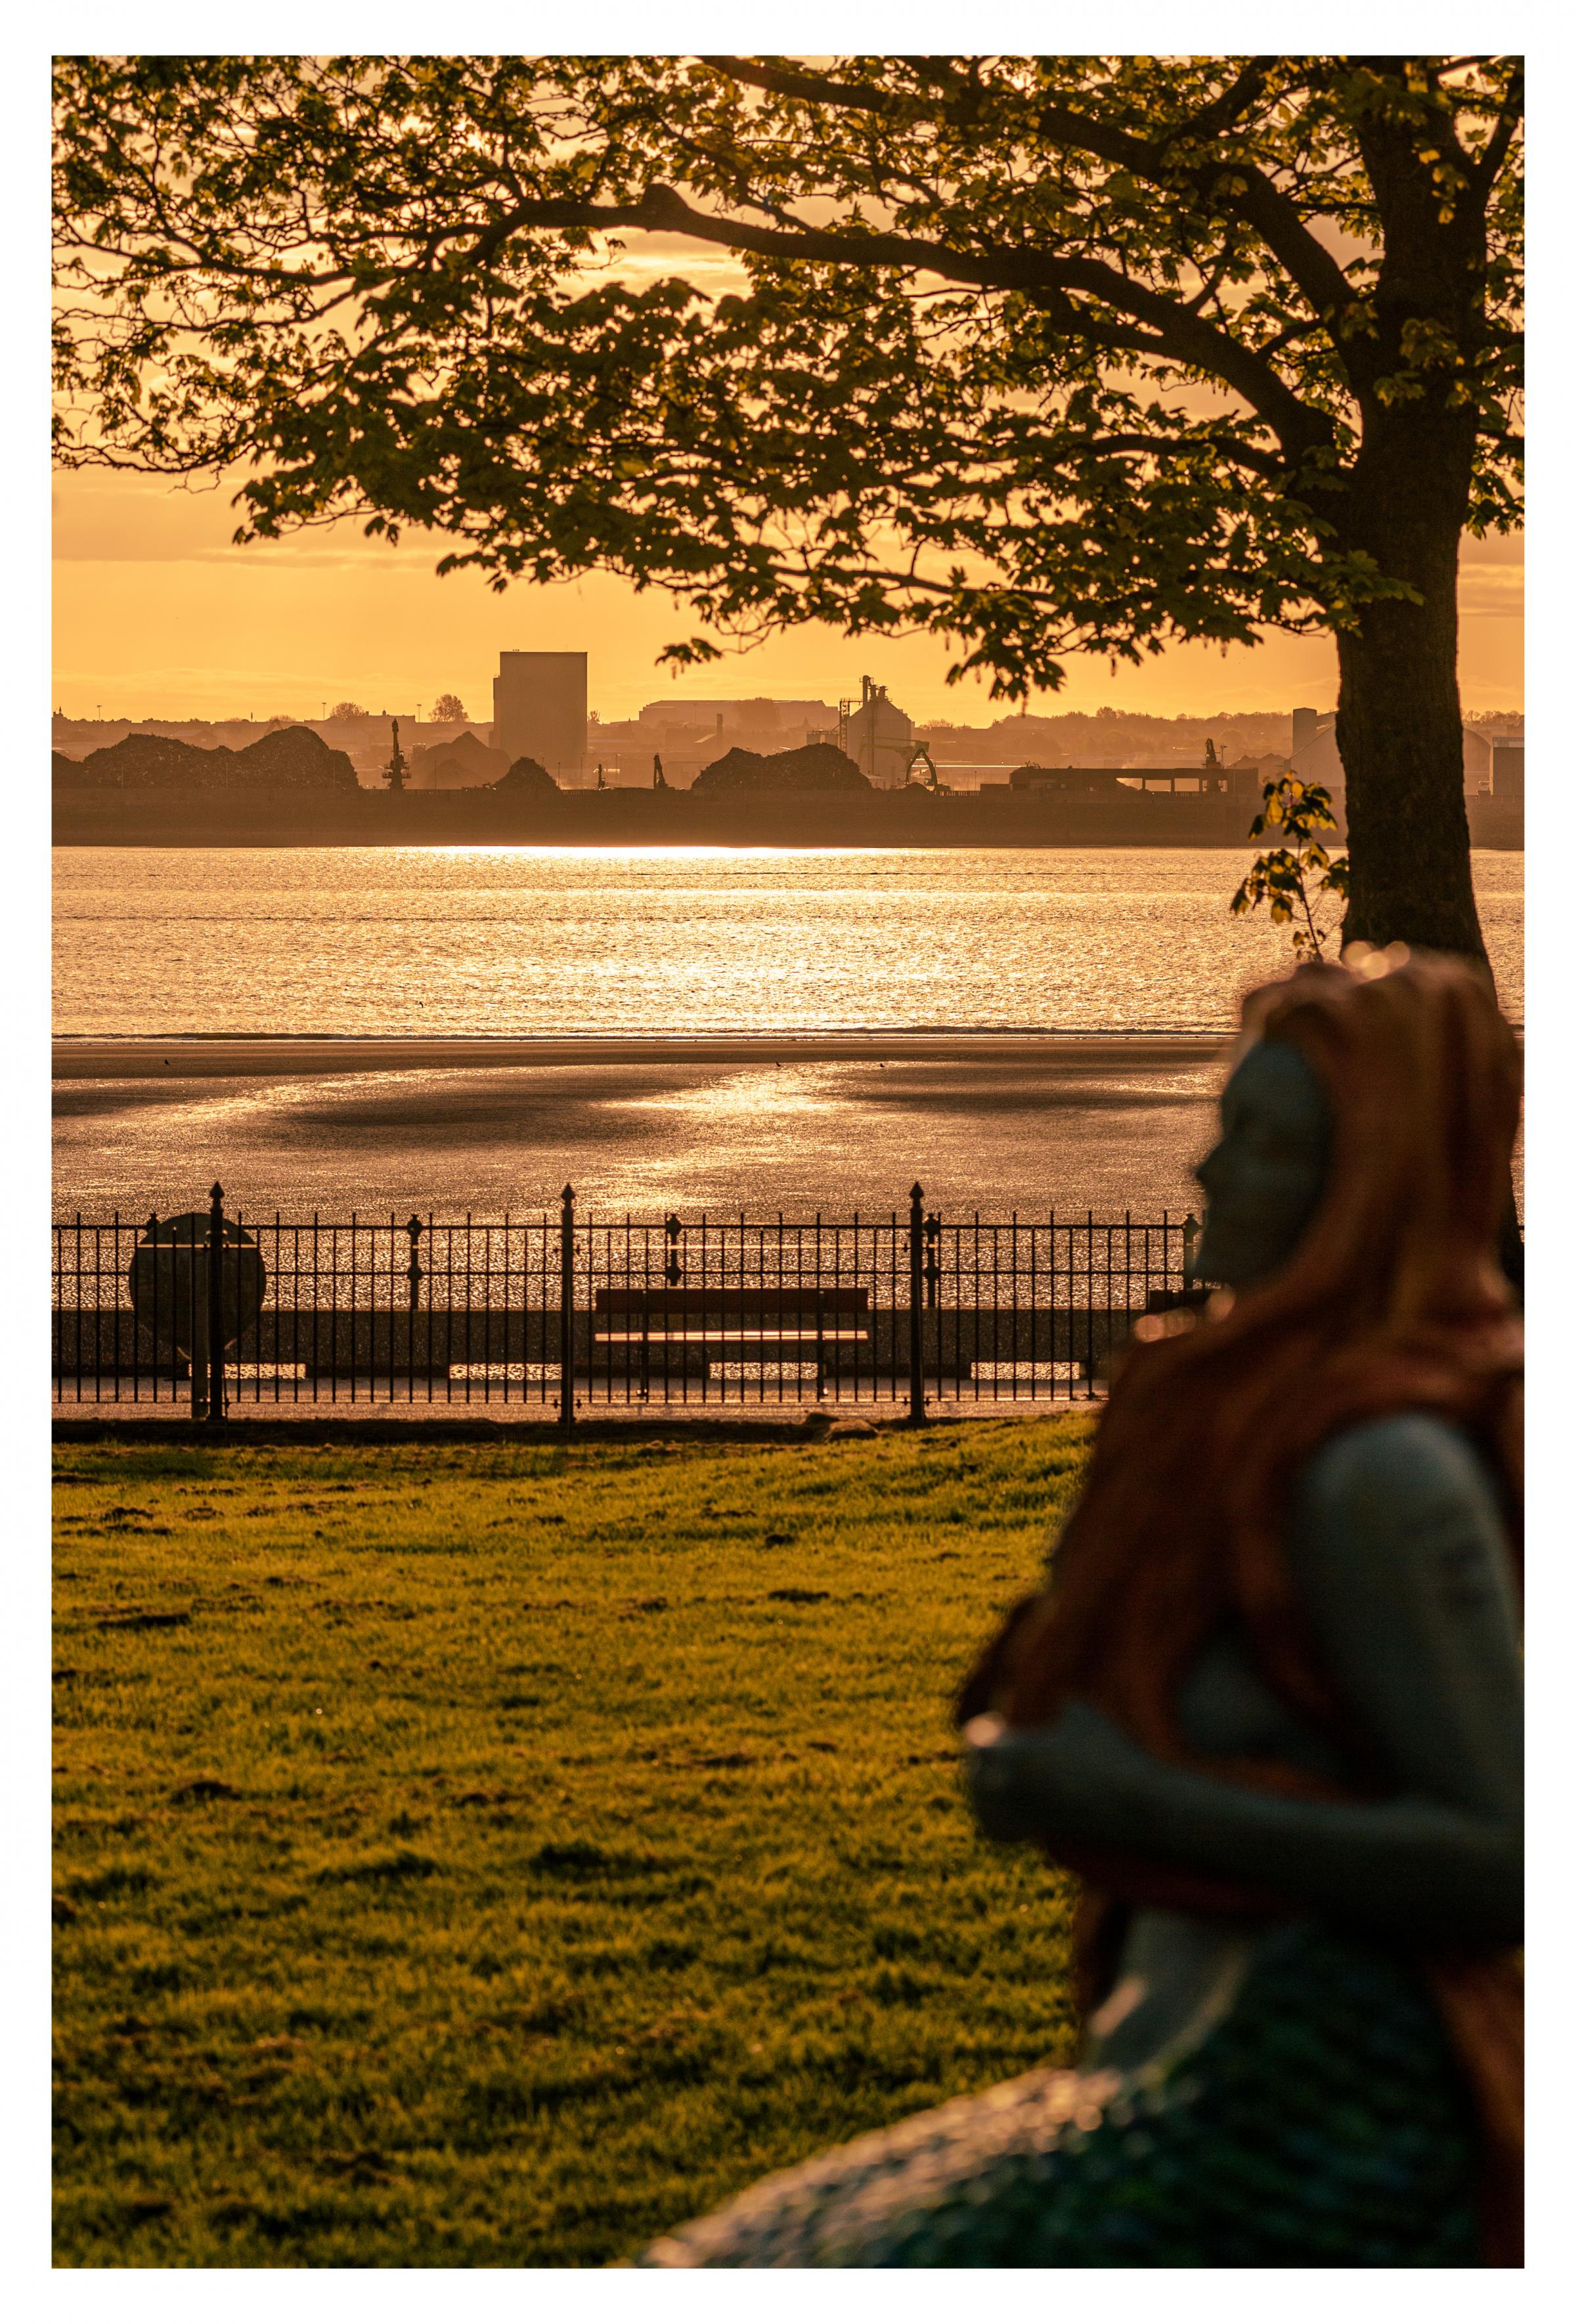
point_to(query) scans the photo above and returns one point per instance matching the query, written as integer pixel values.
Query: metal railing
(566, 1313)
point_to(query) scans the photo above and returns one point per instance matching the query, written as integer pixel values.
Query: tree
(449, 710)
(1290, 879)
(1041, 354)
(348, 710)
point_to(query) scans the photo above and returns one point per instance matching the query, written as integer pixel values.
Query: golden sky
(157, 615)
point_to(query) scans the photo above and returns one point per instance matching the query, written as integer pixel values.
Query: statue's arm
(1398, 1550)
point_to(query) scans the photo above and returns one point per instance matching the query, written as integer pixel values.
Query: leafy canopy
(1043, 353)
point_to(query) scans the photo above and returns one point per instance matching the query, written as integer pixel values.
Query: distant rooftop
(678, 710)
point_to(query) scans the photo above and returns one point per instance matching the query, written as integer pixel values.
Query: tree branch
(1187, 339)
(1175, 332)
(1254, 197)
(1492, 160)
(1226, 110)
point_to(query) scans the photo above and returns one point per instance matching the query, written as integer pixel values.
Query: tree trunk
(1398, 725)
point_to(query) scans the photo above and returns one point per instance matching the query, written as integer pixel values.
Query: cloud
(1494, 593)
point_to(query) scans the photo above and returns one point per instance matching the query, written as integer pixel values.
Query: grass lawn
(489, 1856)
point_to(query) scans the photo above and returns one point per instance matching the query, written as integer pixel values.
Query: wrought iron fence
(568, 1312)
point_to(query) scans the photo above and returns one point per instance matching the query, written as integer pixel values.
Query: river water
(522, 940)
(436, 941)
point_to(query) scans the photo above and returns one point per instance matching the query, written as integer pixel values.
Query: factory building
(1507, 769)
(878, 737)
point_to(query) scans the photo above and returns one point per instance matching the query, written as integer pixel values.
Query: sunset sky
(157, 615)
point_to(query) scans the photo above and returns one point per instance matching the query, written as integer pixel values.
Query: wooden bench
(769, 1325)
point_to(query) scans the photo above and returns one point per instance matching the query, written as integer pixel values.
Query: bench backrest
(660, 1303)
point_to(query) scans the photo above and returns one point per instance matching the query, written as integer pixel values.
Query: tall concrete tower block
(539, 711)
(1304, 727)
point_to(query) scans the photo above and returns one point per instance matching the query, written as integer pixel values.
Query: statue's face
(1262, 1182)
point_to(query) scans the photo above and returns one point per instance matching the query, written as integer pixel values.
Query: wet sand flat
(1105, 1127)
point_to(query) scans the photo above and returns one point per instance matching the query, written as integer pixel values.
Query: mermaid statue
(1268, 1708)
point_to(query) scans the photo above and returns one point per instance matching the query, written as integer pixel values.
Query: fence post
(916, 1304)
(567, 1311)
(198, 1370)
(215, 1334)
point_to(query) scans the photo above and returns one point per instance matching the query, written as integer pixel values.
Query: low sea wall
(225, 1056)
(646, 818)
(318, 1343)
(635, 818)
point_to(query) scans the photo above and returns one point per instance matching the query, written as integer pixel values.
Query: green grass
(489, 1857)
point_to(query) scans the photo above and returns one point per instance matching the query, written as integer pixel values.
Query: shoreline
(113, 1057)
